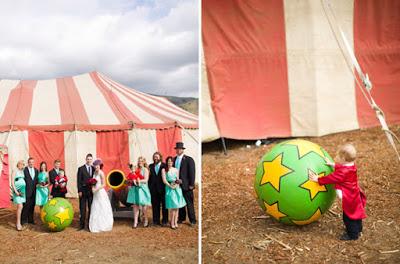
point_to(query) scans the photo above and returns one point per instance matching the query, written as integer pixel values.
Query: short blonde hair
(348, 152)
(21, 162)
(144, 161)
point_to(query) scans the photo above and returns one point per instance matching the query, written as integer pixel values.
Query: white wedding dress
(101, 215)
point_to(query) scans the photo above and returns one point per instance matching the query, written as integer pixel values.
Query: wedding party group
(165, 186)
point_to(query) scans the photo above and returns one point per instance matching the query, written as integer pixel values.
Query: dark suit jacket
(82, 178)
(52, 177)
(156, 183)
(30, 191)
(187, 172)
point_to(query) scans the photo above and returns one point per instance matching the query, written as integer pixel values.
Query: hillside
(190, 104)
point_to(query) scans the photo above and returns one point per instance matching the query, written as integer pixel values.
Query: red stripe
(113, 149)
(160, 106)
(166, 140)
(71, 105)
(148, 98)
(4, 183)
(377, 47)
(245, 52)
(120, 110)
(133, 99)
(19, 104)
(47, 146)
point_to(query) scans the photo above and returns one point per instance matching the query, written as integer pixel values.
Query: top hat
(179, 145)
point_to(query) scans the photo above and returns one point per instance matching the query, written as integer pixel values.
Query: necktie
(178, 162)
(88, 169)
(32, 173)
(157, 168)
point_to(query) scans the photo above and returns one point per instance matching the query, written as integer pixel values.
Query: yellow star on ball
(63, 214)
(52, 226)
(273, 172)
(53, 202)
(273, 210)
(313, 218)
(42, 215)
(305, 147)
(313, 187)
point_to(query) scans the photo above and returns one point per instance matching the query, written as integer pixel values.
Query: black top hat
(179, 145)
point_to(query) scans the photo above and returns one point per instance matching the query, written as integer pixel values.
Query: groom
(31, 179)
(187, 170)
(85, 172)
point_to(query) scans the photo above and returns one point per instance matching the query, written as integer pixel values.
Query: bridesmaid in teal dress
(42, 188)
(173, 193)
(139, 194)
(18, 187)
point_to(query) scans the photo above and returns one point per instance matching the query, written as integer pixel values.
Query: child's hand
(312, 176)
(328, 162)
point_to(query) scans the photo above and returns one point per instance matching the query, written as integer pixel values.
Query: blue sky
(151, 46)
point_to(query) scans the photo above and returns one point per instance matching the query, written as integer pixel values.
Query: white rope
(367, 85)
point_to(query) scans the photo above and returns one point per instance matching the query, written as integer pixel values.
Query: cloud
(149, 45)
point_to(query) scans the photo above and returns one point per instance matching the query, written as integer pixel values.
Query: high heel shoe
(146, 223)
(18, 228)
(134, 226)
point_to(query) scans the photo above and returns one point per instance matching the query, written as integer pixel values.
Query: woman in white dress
(101, 215)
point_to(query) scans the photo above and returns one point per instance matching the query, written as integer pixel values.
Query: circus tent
(66, 118)
(274, 68)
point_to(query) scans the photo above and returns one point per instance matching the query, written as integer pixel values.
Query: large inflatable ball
(57, 214)
(282, 186)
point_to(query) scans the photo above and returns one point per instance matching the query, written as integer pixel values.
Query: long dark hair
(41, 164)
(166, 162)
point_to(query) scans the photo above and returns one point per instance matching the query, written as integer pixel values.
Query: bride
(101, 215)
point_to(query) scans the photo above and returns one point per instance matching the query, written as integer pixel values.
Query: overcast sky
(151, 46)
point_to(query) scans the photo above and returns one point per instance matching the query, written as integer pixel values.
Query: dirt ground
(236, 230)
(122, 245)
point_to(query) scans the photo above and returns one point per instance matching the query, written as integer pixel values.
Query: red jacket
(345, 179)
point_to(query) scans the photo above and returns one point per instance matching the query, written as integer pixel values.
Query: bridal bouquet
(91, 182)
(43, 183)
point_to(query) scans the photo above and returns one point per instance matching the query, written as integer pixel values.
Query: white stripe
(5, 89)
(18, 147)
(144, 116)
(321, 89)
(142, 142)
(96, 106)
(169, 106)
(45, 104)
(209, 129)
(76, 145)
(159, 109)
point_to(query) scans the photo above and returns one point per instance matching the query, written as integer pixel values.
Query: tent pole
(224, 146)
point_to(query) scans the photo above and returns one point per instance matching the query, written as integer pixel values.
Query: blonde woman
(18, 187)
(139, 193)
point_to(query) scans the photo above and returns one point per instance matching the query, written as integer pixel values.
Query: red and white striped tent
(66, 118)
(274, 69)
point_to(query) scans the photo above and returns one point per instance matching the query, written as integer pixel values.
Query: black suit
(157, 190)
(55, 192)
(187, 171)
(87, 196)
(30, 194)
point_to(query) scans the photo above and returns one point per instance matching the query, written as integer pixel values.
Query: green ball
(282, 186)
(57, 214)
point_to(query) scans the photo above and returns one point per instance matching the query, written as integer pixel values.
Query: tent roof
(90, 101)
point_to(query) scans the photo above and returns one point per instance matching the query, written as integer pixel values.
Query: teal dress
(42, 193)
(20, 185)
(139, 195)
(173, 197)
